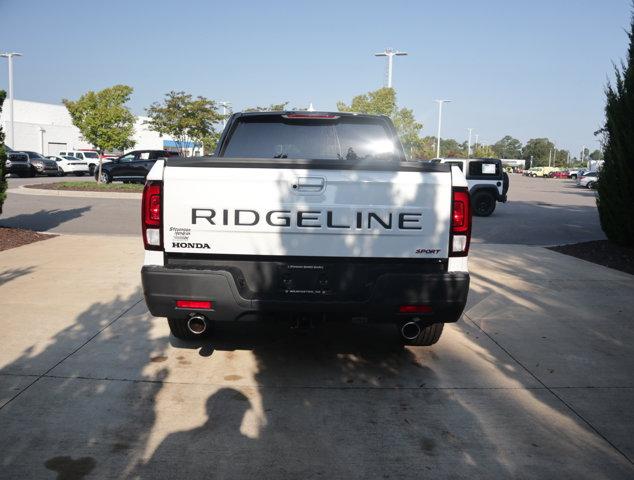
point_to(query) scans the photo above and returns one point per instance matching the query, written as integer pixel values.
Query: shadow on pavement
(12, 273)
(71, 424)
(44, 219)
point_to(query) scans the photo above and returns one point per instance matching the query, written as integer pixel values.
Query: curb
(22, 190)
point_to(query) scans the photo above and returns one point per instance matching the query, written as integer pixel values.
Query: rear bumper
(501, 198)
(446, 294)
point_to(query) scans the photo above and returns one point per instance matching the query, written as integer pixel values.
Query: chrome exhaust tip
(197, 324)
(410, 330)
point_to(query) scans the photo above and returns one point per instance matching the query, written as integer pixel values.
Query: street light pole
(439, 102)
(469, 145)
(9, 57)
(390, 53)
(224, 106)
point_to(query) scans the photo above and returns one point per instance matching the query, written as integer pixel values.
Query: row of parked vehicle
(585, 177)
(130, 167)
(553, 172)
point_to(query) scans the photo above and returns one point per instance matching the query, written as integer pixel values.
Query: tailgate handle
(310, 184)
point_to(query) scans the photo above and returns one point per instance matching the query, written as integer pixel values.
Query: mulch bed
(16, 237)
(602, 252)
(89, 187)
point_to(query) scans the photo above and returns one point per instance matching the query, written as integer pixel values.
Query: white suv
(91, 157)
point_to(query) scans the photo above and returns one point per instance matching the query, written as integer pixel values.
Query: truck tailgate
(306, 212)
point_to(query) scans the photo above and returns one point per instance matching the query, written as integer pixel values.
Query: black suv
(131, 167)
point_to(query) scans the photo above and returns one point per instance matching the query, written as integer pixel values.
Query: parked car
(41, 165)
(588, 180)
(70, 165)
(17, 163)
(91, 157)
(559, 174)
(133, 166)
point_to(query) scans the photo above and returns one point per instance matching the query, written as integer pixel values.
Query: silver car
(588, 180)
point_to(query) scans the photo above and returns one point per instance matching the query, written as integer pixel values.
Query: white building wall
(47, 128)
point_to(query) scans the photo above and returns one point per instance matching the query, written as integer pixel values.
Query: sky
(526, 69)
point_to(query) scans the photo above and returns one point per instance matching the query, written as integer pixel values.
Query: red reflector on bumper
(201, 305)
(415, 309)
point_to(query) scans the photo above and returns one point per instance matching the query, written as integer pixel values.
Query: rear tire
(178, 327)
(427, 336)
(483, 203)
(591, 185)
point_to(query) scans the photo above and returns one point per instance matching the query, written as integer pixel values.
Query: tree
(273, 107)
(616, 181)
(508, 147)
(3, 158)
(450, 148)
(383, 102)
(103, 119)
(188, 120)
(596, 155)
(484, 151)
(539, 149)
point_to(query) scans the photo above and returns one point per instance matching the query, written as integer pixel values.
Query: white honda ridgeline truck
(306, 215)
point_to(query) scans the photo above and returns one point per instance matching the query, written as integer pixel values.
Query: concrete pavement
(534, 382)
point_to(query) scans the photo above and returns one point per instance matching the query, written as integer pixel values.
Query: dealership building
(47, 128)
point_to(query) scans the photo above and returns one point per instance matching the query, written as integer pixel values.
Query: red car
(561, 174)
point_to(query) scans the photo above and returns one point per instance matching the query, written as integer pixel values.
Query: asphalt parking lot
(539, 212)
(533, 382)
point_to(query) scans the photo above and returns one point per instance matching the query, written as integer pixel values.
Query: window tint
(127, 158)
(276, 137)
(484, 169)
(91, 155)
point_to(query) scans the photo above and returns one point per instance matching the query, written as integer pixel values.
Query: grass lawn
(90, 186)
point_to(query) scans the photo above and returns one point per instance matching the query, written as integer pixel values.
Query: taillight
(460, 222)
(152, 215)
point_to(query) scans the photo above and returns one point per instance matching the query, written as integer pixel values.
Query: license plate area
(306, 279)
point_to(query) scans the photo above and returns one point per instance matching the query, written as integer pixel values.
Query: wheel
(178, 327)
(91, 169)
(427, 336)
(591, 185)
(483, 203)
(31, 173)
(61, 173)
(105, 177)
(573, 176)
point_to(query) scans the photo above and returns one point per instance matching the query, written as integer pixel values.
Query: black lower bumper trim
(446, 293)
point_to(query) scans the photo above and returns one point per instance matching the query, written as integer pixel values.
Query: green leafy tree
(3, 158)
(450, 148)
(426, 150)
(186, 119)
(484, 151)
(616, 182)
(539, 149)
(596, 155)
(103, 118)
(273, 107)
(507, 147)
(383, 102)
